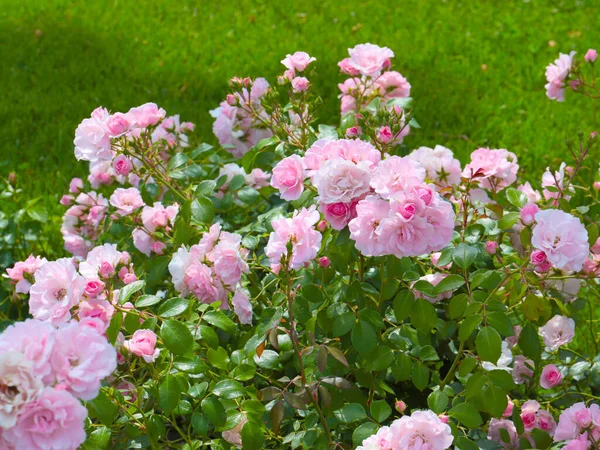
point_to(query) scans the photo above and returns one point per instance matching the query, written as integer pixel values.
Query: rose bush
(308, 286)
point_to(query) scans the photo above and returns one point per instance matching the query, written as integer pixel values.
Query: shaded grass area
(476, 67)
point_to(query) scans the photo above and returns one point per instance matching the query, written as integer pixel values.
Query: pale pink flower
(434, 279)
(392, 84)
(101, 261)
(234, 436)
(395, 174)
(492, 169)
(122, 165)
(23, 272)
(439, 162)
(558, 331)
(420, 430)
(562, 237)
(385, 135)
(591, 55)
(324, 261)
(369, 59)
(258, 178)
(300, 84)
(365, 228)
(76, 185)
(340, 180)
(142, 241)
(147, 115)
(143, 343)
(20, 383)
(557, 181)
(575, 420)
(338, 214)
(126, 200)
(229, 259)
(528, 414)
(382, 440)
(550, 377)
(298, 61)
(54, 420)
(92, 139)
(288, 177)
(56, 289)
(596, 247)
(528, 213)
(209, 240)
(494, 433)
(353, 150)
(522, 372)
(157, 216)
(546, 422)
(82, 358)
(347, 67)
(300, 231)
(533, 196)
(118, 124)
(581, 442)
(242, 306)
(509, 408)
(97, 308)
(491, 247)
(556, 73)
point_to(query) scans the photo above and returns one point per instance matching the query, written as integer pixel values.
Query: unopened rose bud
(569, 170)
(400, 406)
(324, 261)
(322, 225)
(385, 135)
(444, 418)
(491, 247)
(528, 213)
(509, 408)
(596, 185)
(12, 179)
(591, 55)
(66, 200)
(353, 132)
(231, 100)
(574, 84)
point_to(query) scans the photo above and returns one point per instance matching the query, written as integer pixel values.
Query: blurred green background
(476, 67)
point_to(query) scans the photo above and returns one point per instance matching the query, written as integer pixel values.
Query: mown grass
(476, 67)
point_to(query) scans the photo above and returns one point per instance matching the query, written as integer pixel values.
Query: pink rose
(21, 384)
(242, 306)
(298, 61)
(491, 247)
(92, 140)
(385, 135)
(99, 309)
(93, 288)
(338, 214)
(574, 420)
(347, 67)
(591, 55)
(229, 259)
(55, 419)
(101, 261)
(494, 432)
(76, 185)
(126, 200)
(422, 429)
(551, 377)
(492, 169)
(365, 228)
(395, 174)
(339, 180)
(122, 165)
(23, 272)
(558, 331)
(288, 177)
(528, 213)
(441, 165)
(147, 115)
(119, 124)
(300, 84)
(143, 343)
(393, 85)
(369, 60)
(556, 73)
(533, 196)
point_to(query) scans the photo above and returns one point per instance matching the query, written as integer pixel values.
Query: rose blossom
(242, 306)
(532, 195)
(439, 162)
(126, 200)
(492, 169)
(54, 420)
(576, 419)
(420, 430)
(556, 181)
(118, 124)
(579, 443)
(122, 165)
(92, 140)
(102, 262)
(562, 237)
(96, 308)
(551, 377)
(393, 85)
(591, 55)
(147, 115)
(369, 59)
(82, 358)
(300, 84)
(521, 369)
(20, 385)
(288, 177)
(494, 433)
(339, 180)
(365, 228)
(143, 343)
(395, 174)
(338, 214)
(556, 73)
(558, 331)
(528, 213)
(385, 135)
(56, 289)
(234, 436)
(23, 272)
(298, 61)
(229, 259)
(491, 247)
(382, 440)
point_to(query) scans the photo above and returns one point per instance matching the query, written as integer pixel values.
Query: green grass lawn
(477, 68)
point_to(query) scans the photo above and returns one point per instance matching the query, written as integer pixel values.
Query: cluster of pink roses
(561, 70)
(420, 430)
(44, 371)
(82, 223)
(235, 127)
(212, 269)
(579, 426)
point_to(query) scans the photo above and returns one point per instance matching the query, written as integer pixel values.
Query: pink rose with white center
(492, 169)
(300, 231)
(147, 115)
(23, 272)
(101, 261)
(54, 420)
(440, 164)
(298, 61)
(556, 73)
(369, 59)
(126, 200)
(20, 384)
(420, 430)
(395, 174)
(288, 177)
(558, 331)
(143, 343)
(562, 237)
(122, 165)
(242, 306)
(365, 228)
(339, 180)
(551, 377)
(92, 139)
(82, 358)
(56, 289)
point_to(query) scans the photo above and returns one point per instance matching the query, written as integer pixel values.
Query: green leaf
(128, 290)
(466, 414)
(403, 304)
(466, 366)
(203, 210)
(381, 358)
(464, 255)
(147, 300)
(363, 431)
(489, 344)
(178, 160)
(364, 338)
(236, 182)
(103, 408)
(420, 375)
(450, 283)
(253, 437)
(529, 342)
(115, 326)
(457, 306)
(169, 392)
(218, 358)
(500, 321)
(220, 320)
(350, 412)
(437, 401)
(508, 220)
(176, 337)
(423, 315)
(243, 372)
(468, 326)
(301, 310)
(204, 187)
(214, 411)
(516, 198)
(200, 424)
(542, 439)
(38, 213)
(496, 401)
(343, 323)
(380, 410)
(173, 307)
(228, 389)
